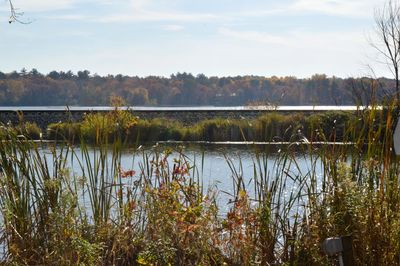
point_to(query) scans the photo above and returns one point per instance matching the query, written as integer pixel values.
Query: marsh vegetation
(161, 212)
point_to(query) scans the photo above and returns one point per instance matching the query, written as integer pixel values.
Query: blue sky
(214, 37)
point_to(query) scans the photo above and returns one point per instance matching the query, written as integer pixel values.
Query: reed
(269, 127)
(27, 129)
(160, 212)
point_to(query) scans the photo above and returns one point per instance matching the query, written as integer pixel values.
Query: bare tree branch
(15, 16)
(387, 23)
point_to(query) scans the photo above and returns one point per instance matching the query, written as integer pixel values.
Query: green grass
(26, 130)
(269, 127)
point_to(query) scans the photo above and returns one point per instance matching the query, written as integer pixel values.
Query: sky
(214, 37)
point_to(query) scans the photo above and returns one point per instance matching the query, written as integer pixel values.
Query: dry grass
(161, 214)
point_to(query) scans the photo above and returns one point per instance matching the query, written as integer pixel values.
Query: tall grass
(160, 213)
(269, 127)
(27, 129)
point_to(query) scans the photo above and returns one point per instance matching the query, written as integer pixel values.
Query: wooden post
(347, 243)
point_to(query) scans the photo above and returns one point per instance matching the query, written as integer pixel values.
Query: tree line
(32, 88)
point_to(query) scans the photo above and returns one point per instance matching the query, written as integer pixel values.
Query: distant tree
(266, 85)
(34, 73)
(14, 75)
(67, 75)
(83, 74)
(117, 101)
(387, 22)
(54, 75)
(23, 71)
(202, 79)
(119, 77)
(223, 81)
(255, 83)
(66, 88)
(139, 96)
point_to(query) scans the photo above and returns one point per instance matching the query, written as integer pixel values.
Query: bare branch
(387, 23)
(15, 16)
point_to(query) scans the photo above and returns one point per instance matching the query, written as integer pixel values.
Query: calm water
(212, 165)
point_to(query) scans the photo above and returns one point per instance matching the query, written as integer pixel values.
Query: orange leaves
(180, 170)
(128, 173)
(239, 233)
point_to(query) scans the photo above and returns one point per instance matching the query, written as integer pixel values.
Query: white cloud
(133, 11)
(68, 17)
(149, 11)
(30, 6)
(299, 53)
(300, 41)
(355, 8)
(139, 4)
(148, 16)
(253, 36)
(247, 49)
(42, 5)
(173, 27)
(152, 10)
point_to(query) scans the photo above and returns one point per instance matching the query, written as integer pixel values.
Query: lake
(216, 166)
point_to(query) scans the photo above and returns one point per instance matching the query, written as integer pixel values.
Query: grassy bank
(26, 130)
(327, 126)
(160, 213)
